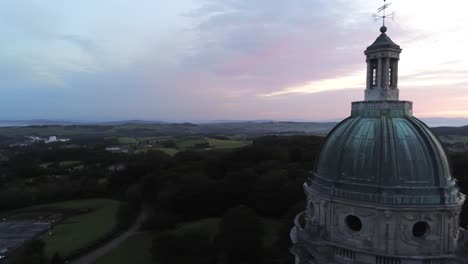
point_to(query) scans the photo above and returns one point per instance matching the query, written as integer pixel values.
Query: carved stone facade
(381, 234)
(382, 190)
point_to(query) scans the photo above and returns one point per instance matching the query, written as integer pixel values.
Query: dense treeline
(47, 173)
(263, 180)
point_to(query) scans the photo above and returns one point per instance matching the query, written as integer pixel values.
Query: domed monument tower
(382, 190)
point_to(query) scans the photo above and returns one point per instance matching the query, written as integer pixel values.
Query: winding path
(92, 256)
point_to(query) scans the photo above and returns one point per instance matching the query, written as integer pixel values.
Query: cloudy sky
(194, 60)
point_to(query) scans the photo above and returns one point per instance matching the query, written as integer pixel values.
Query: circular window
(420, 229)
(354, 223)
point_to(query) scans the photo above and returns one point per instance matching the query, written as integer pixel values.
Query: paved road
(92, 256)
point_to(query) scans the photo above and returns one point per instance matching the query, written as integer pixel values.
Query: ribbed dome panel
(385, 156)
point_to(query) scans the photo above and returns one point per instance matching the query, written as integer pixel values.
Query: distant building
(119, 149)
(382, 190)
(458, 147)
(51, 139)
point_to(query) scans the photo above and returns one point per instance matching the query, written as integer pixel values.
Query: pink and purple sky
(199, 60)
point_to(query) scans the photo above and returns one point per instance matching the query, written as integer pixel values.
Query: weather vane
(381, 13)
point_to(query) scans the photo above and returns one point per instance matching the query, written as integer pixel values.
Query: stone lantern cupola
(382, 69)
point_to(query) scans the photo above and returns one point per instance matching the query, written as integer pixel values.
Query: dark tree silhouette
(240, 236)
(190, 247)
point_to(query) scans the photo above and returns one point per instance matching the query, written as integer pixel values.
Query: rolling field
(81, 222)
(85, 221)
(183, 143)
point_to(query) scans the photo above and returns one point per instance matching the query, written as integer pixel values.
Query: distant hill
(45, 127)
(444, 131)
(34, 122)
(150, 129)
(46, 122)
(445, 122)
(265, 128)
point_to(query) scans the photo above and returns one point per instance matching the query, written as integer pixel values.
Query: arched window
(374, 72)
(390, 75)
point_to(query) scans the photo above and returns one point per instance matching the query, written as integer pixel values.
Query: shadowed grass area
(207, 225)
(97, 219)
(136, 249)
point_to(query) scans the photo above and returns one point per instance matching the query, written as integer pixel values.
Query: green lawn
(185, 144)
(136, 249)
(169, 151)
(81, 230)
(227, 144)
(127, 140)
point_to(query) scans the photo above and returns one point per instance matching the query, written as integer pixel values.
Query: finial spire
(383, 16)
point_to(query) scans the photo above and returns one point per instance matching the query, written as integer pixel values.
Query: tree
(240, 236)
(192, 247)
(57, 259)
(267, 194)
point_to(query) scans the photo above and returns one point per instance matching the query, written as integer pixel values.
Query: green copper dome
(382, 154)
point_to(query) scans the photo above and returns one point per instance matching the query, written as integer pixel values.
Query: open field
(127, 140)
(168, 151)
(227, 144)
(84, 221)
(137, 248)
(178, 144)
(191, 143)
(81, 230)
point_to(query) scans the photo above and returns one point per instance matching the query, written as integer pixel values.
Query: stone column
(395, 74)
(386, 73)
(369, 75)
(379, 73)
